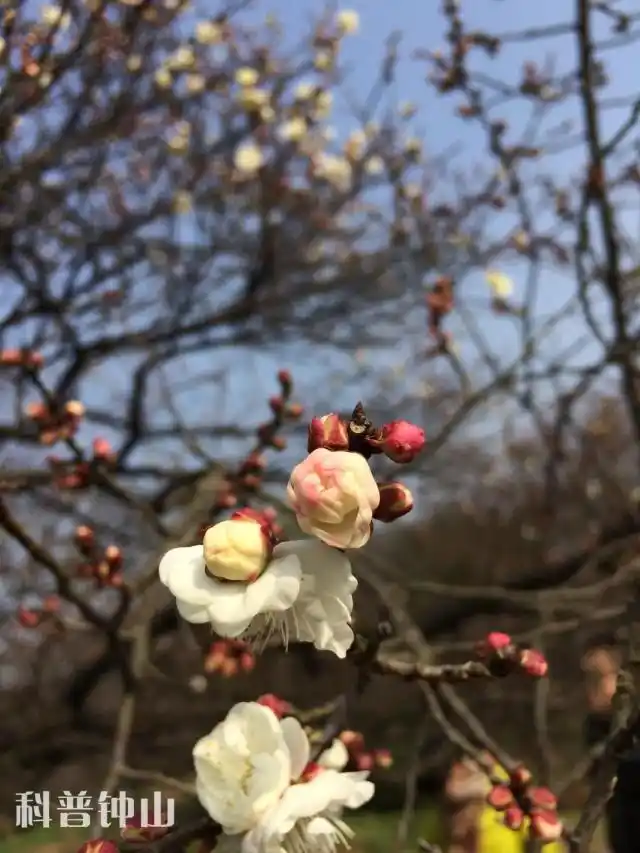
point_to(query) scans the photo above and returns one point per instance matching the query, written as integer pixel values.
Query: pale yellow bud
(207, 32)
(248, 158)
(236, 550)
(348, 22)
(253, 99)
(246, 77)
(293, 130)
(163, 78)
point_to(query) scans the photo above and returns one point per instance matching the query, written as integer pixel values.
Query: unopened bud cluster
(503, 656)
(103, 566)
(361, 758)
(55, 424)
(229, 658)
(72, 475)
(399, 440)
(21, 358)
(527, 805)
(34, 617)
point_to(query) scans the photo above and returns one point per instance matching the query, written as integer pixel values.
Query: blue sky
(421, 26)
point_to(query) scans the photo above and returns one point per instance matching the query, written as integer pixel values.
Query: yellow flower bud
(236, 550)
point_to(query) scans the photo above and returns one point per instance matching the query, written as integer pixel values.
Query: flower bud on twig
(395, 501)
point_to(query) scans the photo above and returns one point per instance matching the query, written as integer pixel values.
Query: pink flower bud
(276, 405)
(102, 450)
(229, 668)
(84, 538)
(545, 825)
(247, 662)
(37, 411)
(500, 797)
(286, 381)
(520, 777)
(514, 818)
(494, 643)
(11, 358)
(542, 798)
(28, 618)
(275, 704)
(113, 556)
(534, 663)
(329, 432)
(354, 741)
(214, 660)
(383, 758)
(395, 501)
(401, 441)
(365, 761)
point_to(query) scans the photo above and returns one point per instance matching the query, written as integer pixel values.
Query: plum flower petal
(323, 610)
(305, 817)
(229, 607)
(305, 593)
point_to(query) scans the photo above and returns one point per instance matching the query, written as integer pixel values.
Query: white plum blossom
(305, 593)
(250, 778)
(335, 757)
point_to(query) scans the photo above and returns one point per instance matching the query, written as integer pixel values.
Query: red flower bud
(37, 411)
(102, 450)
(395, 501)
(500, 797)
(275, 704)
(113, 556)
(542, 798)
(354, 741)
(213, 661)
(229, 668)
(98, 845)
(534, 663)
(514, 817)
(11, 357)
(520, 777)
(328, 431)
(247, 662)
(545, 825)
(276, 404)
(383, 758)
(286, 381)
(493, 643)
(28, 618)
(84, 538)
(116, 580)
(365, 761)
(401, 441)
